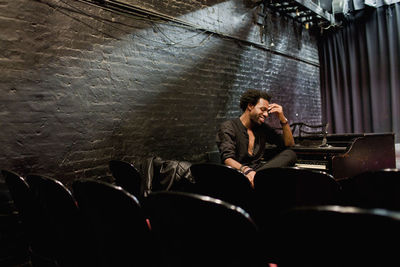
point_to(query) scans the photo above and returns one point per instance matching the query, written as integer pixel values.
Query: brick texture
(81, 85)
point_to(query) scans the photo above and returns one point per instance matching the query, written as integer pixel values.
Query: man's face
(259, 112)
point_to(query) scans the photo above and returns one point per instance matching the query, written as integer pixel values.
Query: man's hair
(252, 96)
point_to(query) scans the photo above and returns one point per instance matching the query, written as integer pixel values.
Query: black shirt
(233, 142)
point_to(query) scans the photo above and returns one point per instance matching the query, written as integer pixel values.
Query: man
(241, 141)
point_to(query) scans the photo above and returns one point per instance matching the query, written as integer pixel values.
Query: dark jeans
(286, 158)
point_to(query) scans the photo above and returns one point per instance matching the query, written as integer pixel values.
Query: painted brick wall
(81, 85)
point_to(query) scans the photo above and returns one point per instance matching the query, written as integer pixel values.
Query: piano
(344, 155)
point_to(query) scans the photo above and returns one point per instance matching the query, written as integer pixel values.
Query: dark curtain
(360, 72)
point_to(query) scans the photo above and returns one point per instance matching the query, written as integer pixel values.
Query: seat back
(373, 189)
(17, 214)
(197, 230)
(22, 197)
(126, 176)
(336, 236)
(292, 186)
(36, 226)
(118, 227)
(278, 189)
(61, 215)
(222, 182)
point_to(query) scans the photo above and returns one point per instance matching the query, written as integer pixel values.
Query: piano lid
(334, 143)
(321, 149)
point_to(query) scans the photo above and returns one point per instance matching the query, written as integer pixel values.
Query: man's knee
(291, 154)
(286, 158)
(289, 157)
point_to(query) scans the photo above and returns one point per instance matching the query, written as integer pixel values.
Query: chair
(222, 182)
(373, 189)
(42, 251)
(336, 236)
(61, 216)
(197, 230)
(126, 176)
(14, 244)
(291, 186)
(278, 189)
(118, 228)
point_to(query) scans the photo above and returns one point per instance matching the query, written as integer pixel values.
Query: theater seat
(373, 189)
(118, 228)
(222, 182)
(197, 230)
(334, 236)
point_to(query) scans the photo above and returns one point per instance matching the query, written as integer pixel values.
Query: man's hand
(246, 170)
(250, 176)
(278, 110)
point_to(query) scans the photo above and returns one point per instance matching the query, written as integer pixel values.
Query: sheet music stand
(307, 132)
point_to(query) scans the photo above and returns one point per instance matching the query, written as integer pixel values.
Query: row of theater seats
(280, 187)
(305, 217)
(292, 217)
(101, 224)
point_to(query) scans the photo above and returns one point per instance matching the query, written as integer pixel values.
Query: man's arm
(286, 130)
(226, 142)
(233, 163)
(287, 133)
(226, 145)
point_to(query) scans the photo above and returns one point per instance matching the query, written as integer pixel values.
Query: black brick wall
(81, 85)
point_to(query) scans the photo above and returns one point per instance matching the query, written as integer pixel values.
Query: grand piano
(343, 155)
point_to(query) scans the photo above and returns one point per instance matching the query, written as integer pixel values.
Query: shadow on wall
(88, 90)
(176, 116)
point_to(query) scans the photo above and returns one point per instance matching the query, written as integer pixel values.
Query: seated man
(241, 141)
